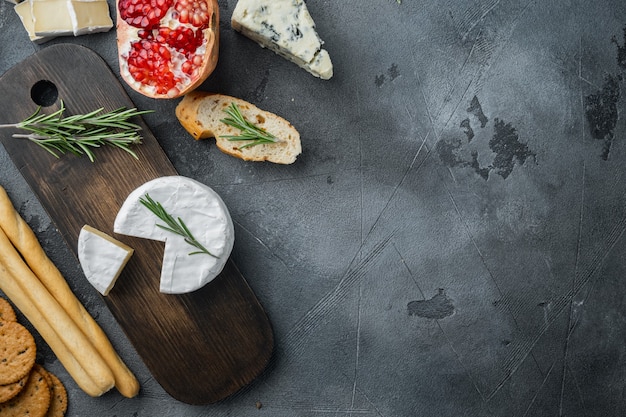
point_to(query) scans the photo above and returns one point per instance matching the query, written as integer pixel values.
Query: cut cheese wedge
(25, 13)
(47, 19)
(287, 28)
(204, 214)
(102, 258)
(90, 16)
(52, 17)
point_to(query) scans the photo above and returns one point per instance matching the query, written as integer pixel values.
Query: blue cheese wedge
(287, 28)
(102, 258)
(204, 214)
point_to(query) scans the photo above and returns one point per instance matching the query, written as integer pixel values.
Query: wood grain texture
(202, 346)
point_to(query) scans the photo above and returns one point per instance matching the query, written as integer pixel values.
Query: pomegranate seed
(187, 67)
(144, 14)
(185, 39)
(149, 63)
(194, 12)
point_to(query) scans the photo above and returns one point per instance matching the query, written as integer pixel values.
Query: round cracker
(58, 405)
(58, 400)
(17, 352)
(6, 311)
(32, 401)
(45, 374)
(9, 391)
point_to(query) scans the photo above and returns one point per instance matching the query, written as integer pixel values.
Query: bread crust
(127, 34)
(200, 112)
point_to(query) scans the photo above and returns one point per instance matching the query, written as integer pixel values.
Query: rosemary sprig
(80, 133)
(249, 131)
(175, 226)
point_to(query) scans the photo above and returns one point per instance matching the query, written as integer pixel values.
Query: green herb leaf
(81, 133)
(175, 226)
(249, 131)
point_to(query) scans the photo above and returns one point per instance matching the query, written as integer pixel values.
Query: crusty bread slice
(200, 113)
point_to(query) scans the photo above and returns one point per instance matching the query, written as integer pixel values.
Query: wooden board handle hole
(44, 93)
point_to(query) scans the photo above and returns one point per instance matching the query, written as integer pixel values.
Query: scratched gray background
(451, 241)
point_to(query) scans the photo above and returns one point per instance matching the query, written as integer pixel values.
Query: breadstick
(18, 278)
(19, 298)
(25, 241)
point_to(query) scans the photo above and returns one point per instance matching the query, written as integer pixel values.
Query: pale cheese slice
(52, 17)
(24, 11)
(102, 258)
(69, 17)
(202, 211)
(287, 28)
(90, 16)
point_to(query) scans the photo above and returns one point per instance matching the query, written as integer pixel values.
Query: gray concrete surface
(451, 241)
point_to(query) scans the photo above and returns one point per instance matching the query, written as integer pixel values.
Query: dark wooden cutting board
(201, 347)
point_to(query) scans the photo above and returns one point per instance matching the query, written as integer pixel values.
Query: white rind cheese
(52, 17)
(47, 19)
(287, 28)
(205, 215)
(102, 258)
(25, 13)
(90, 16)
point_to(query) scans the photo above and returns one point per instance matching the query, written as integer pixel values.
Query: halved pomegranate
(167, 48)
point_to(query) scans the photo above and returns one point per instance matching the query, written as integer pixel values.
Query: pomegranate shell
(173, 56)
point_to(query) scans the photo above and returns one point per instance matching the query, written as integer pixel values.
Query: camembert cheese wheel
(204, 214)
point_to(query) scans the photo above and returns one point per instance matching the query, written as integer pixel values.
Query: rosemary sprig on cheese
(249, 131)
(80, 134)
(176, 226)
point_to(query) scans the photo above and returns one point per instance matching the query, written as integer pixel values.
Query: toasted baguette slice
(200, 113)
